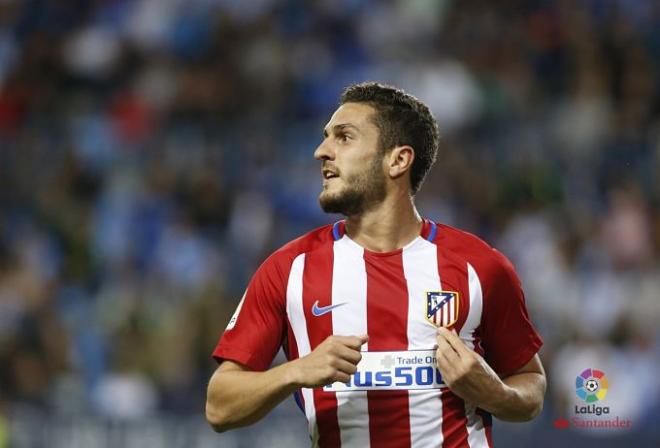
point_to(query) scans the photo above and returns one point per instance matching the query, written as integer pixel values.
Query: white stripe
(475, 425)
(476, 305)
(452, 309)
(295, 312)
(349, 284)
(420, 268)
(475, 428)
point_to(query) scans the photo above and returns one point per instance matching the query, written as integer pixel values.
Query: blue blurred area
(154, 152)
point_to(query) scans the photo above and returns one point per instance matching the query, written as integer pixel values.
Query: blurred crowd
(153, 152)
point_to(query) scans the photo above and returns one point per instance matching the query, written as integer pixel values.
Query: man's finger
(445, 348)
(341, 377)
(354, 342)
(452, 338)
(444, 364)
(350, 355)
(346, 367)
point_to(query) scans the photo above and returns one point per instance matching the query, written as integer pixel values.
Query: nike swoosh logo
(321, 310)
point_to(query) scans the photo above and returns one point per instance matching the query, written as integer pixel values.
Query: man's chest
(398, 301)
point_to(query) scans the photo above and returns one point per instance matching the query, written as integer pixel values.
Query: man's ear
(400, 160)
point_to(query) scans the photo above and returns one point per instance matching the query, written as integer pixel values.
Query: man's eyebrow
(340, 127)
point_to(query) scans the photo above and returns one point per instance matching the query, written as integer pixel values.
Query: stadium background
(153, 152)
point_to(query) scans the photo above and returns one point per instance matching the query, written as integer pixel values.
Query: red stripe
(454, 277)
(454, 422)
(317, 285)
(387, 317)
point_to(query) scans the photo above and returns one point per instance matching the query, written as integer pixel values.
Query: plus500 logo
(404, 377)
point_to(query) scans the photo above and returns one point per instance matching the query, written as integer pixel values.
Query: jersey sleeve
(255, 332)
(508, 336)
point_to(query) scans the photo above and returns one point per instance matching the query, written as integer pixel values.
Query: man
(399, 331)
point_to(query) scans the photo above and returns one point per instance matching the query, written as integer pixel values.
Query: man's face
(352, 165)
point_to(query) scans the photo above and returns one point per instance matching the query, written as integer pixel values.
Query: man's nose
(324, 151)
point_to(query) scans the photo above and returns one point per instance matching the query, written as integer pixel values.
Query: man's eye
(344, 137)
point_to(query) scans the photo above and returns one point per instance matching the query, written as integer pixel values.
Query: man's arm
(515, 397)
(238, 397)
(522, 399)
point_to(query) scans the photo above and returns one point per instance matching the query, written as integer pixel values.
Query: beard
(361, 191)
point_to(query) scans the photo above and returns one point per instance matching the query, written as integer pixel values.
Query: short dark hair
(401, 119)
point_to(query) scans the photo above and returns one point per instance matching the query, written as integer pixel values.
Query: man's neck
(389, 226)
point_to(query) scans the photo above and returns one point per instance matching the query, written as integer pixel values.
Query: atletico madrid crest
(442, 308)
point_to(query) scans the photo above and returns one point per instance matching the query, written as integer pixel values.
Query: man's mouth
(329, 174)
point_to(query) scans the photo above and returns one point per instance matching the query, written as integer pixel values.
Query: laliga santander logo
(591, 385)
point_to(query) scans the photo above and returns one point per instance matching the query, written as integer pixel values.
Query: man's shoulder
(310, 241)
(472, 248)
(278, 264)
(461, 241)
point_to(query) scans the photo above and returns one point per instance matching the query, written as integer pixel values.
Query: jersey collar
(429, 229)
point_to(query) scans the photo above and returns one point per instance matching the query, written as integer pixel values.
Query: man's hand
(465, 372)
(335, 359)
(238, 396)
(516, 397)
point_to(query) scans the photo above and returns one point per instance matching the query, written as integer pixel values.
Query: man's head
(378, 134)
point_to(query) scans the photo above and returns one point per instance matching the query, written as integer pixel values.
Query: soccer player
(399, 331)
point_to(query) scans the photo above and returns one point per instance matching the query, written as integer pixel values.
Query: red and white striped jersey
(324, 283)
